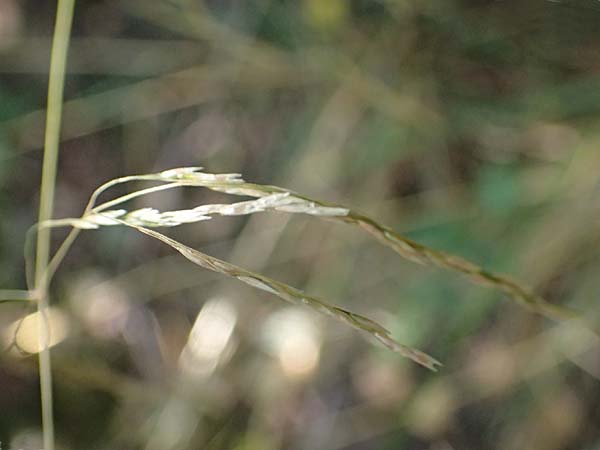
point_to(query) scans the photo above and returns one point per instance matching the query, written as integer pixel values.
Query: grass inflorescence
(273, 198)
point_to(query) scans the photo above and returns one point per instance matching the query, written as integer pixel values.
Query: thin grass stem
(294, 296)
(280, 199)
(15, 295)
(125, 198)
(64, 247)
(58, 59)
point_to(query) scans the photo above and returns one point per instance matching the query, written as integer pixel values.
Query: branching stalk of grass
(153, 218)
(280, 199)
(66, 244)
(58, 58)
(97, 216)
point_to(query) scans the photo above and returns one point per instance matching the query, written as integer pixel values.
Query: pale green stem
(124, 198)
(9, 295)
(66, 244)
(110, 184)
(58, 59)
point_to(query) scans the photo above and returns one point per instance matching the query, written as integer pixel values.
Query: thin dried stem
(421, 254)
(279, 199)
(294, 296)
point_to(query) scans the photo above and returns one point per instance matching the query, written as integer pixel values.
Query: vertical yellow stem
(58, 58)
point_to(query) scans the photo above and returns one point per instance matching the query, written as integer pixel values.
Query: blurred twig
(144, 99)
(200, 24)
(111, 56)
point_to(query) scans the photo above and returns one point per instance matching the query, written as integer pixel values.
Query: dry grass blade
(292, 295)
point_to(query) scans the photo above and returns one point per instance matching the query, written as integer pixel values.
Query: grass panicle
(273, 198)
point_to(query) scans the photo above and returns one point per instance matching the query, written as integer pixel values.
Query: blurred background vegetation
(469, 125)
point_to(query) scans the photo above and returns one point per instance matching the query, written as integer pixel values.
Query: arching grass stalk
(279, 199)
(58, 58)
